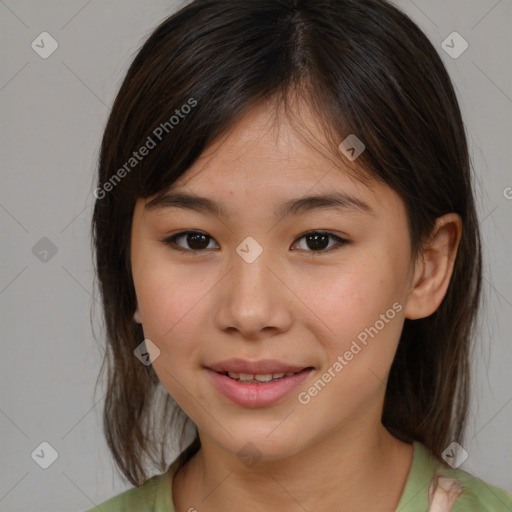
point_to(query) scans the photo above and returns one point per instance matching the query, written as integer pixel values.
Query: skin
(293, 304)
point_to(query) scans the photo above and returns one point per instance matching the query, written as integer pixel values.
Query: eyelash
(171, 241)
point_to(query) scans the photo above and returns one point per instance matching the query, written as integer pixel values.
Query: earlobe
(434, 267)
(136, 316)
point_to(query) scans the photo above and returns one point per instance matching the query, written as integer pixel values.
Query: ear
(136, 315)
(433, 267)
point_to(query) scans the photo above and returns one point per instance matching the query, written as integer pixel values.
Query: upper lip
(263, 366)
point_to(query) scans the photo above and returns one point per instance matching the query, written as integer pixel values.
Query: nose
(254, 300)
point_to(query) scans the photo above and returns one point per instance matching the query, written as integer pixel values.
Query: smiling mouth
(259, 378)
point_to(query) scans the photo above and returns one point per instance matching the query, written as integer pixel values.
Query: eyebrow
(332, 201)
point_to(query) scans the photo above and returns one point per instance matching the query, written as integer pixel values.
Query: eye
(318, 241)
(197, 241)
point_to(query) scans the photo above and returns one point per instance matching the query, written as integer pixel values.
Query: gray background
(53, 112)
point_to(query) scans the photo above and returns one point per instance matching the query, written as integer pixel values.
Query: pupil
(316, 238)
(196, 237)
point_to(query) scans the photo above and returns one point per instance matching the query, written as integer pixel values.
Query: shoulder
(476, 494)
(154, 495)
(434, 486)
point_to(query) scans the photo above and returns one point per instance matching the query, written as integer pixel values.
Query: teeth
(264, 377)
(258, 377)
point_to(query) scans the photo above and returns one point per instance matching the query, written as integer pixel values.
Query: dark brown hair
(364, 68)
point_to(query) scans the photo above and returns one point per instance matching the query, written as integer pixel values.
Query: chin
(255, 445)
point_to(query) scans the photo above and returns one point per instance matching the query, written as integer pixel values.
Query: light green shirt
(477, 496)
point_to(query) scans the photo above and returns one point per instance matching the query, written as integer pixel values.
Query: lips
(258, 392)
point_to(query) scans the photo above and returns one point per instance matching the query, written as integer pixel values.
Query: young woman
(286, 244)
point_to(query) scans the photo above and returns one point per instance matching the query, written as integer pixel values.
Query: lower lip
(257, 395)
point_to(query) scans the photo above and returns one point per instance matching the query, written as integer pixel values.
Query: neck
(357, 469)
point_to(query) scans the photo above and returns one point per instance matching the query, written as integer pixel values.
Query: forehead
(268, 147)
(271, 158)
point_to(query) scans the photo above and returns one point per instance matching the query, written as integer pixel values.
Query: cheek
(170, 302)
(173, 312)
(347, 301)
(362, 317)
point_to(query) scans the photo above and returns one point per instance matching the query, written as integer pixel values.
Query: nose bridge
(251, 275)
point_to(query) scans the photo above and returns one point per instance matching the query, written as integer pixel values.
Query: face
(317, 292)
